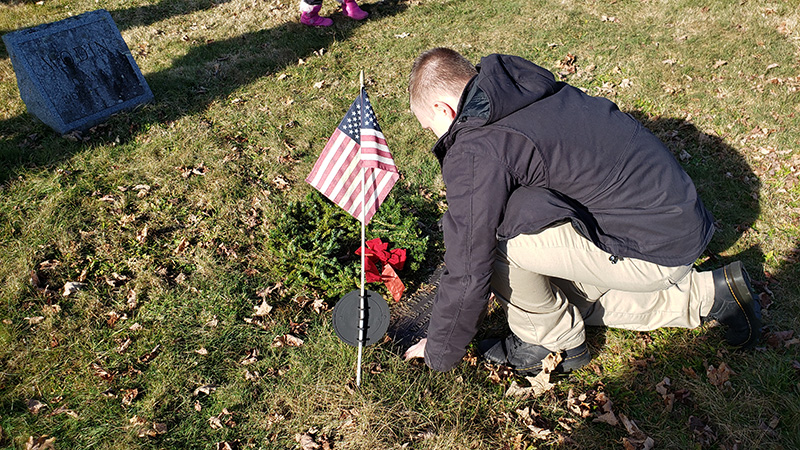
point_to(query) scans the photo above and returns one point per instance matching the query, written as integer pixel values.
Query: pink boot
(350, 9)
(309, 15)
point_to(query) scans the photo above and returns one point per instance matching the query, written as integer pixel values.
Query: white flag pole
(363, 239)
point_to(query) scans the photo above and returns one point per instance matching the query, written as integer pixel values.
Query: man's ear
(442, 107)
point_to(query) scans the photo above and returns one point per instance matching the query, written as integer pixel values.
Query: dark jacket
(525, 152)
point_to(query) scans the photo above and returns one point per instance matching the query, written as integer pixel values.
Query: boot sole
(739, 286)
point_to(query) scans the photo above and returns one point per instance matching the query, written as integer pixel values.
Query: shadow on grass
(204, 75)
(143, 15)
(137, 16)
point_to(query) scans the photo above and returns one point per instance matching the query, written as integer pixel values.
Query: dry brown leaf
(63, 410)
(141, 236)
(252, 356)
(306, 441)
(214, 423)
(608, 418)
(149, 356)
(102, 373)
(578, 404)
(701, 431)
(131, 300)
(34, 320)
(280, 183)
(72, 287)
(129, 395)
(110, 393)
(319, 306)
(251, 376)
(181, 246)
(298, 328)
(263, 309)
(636, 437)
(40, 443)
(287, 340)
(34, 406)
(778, 339)
(206, 389)
(123, 347)
(719, 376)
(137, 421)
(534, 422)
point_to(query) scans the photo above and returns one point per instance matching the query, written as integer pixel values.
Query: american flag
(357, 142)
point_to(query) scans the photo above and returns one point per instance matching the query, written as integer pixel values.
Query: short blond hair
(441, 70)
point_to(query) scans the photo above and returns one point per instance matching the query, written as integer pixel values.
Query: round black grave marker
(346, 317)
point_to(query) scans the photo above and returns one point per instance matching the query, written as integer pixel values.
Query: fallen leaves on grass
(580, 405)
(102, 373)
(40, 443)
(636, 439)
(148, 431)
(206, 389)
(34, 406)
(538, 384)
(287, 340)
(769, 427)
(63, 410)
(314, 440)
(778, 339)
(262, 310)
(607, 415)
(181, 246)
(498, 374)
(149, 356)
(567, 65)
(702, 433)
(719, 376)
(131, 300)
(72, 287)
(35, 320)
(187, 172)
(129, 395)
(223, 419)
(534, 422)
(142, 190)
(38, 283)
(252, 356)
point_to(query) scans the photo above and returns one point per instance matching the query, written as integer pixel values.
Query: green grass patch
(182, 216)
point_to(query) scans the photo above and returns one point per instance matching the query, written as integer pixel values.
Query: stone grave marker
(75, 73)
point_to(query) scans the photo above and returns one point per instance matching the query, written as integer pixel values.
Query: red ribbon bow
(378, 253)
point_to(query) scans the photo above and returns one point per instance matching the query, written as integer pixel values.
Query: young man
(569, 209)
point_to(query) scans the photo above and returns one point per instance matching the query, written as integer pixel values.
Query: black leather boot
(526, 359)
(735, 305)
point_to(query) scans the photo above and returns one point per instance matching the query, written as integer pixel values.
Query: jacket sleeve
(477, 190)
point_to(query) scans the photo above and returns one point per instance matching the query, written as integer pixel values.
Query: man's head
(437, 80)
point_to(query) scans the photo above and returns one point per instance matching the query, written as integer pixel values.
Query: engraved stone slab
(409, 318)
(75, 73)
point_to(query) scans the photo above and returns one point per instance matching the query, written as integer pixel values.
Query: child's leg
(350, 9)
(309, 14)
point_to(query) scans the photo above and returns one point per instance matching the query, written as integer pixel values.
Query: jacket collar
(473, 104)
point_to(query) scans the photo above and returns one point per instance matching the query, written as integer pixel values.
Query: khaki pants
(555, 281)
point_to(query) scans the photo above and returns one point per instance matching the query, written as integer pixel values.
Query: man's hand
(416, 351)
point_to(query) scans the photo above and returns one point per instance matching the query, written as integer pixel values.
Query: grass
(236, 100)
